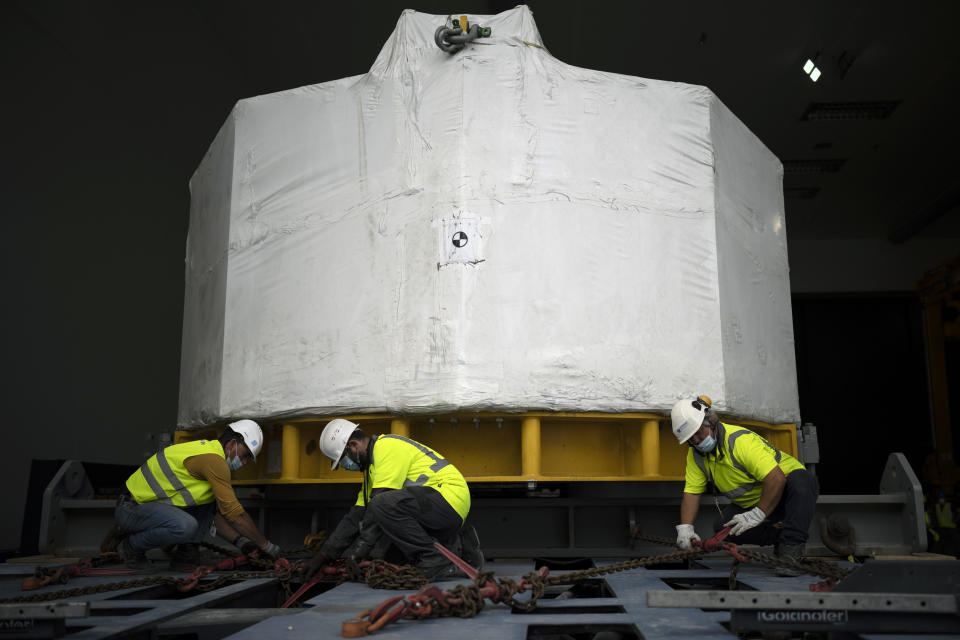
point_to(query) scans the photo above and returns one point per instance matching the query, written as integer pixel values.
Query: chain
(809, 566)
(97, 588)
(820, 568)
(230, 553)
(187, 583)
(381, 575)
(626, 565)
(466, 600)
(284, 553)
(655, 539)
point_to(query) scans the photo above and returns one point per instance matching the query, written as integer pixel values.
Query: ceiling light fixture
(811, 70)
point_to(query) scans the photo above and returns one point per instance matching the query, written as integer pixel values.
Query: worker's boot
(789, 552)
(133, 559)
(470, 547)
(435, 567)
(111, 540)
(186, 556)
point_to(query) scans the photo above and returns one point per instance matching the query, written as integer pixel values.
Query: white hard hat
(251, 433)
(334, 439)
(687, 416)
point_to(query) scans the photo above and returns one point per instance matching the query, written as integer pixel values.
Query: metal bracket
(70, 482)
(898, 477)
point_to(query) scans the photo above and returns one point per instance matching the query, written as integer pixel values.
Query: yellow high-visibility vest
(738, 465)
(163, 477)
(945, 516)
(400, 462)
(933, 532)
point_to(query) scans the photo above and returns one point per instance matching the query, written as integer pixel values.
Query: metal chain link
(575, 576)
(467, 598)
(808, 566)
(230, 553)
(380, 575)
(97, 588)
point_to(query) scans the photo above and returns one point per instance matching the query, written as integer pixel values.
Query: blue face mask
(706, 445)
(234, 463)
(347, 463)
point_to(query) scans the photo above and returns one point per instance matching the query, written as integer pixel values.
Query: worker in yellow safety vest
(174, 497)
(411, 496)
(944, 511)
(766, 487)
(933, 536)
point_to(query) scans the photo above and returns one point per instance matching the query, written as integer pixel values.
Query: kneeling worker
(766, 486)
(411, 496)
(176, 494)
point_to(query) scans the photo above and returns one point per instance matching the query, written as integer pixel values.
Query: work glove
(745, 521)
(246, 545)
(314, 565)
(270, 551)
(685, 536)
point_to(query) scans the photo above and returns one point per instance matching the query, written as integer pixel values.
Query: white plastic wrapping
(487, 230)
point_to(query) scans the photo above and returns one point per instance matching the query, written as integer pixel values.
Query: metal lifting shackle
(451, 39)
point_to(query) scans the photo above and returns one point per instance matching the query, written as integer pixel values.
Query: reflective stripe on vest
(438, 463)
(731, 439)
(416, 465)
(163, 477)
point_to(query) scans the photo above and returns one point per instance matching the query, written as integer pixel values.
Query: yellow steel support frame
(290, 463)
(540, 446)
(530, 448)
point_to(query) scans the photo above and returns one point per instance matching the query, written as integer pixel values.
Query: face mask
(235, 462)
(706, 445)
(347, 463)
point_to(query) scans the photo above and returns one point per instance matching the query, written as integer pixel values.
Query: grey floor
(322, 615)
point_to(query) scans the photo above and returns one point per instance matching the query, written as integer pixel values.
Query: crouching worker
(411, 497)
(175, 495)
(766, 486)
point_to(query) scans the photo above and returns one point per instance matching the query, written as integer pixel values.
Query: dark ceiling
(146, 85)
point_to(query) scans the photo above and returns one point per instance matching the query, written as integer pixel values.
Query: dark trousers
(413, 518)
(795, 511)
(157, 524)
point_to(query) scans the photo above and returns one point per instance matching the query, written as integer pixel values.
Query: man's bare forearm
(771, 491)
(245, 527)
(689, 505)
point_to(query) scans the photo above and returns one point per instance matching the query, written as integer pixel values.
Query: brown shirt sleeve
(214, 469)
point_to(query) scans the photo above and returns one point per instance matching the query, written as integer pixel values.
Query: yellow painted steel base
(517, 447)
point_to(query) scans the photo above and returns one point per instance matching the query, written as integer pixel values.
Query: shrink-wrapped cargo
(486, 230)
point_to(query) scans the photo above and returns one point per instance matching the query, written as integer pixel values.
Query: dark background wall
(862, 377)
(109, 106)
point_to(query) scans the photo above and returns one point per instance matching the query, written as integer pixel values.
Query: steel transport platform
(611, 607)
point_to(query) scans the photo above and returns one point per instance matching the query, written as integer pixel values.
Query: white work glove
(271, 550)
(746, 521)
(245, 545)
(685, 536)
